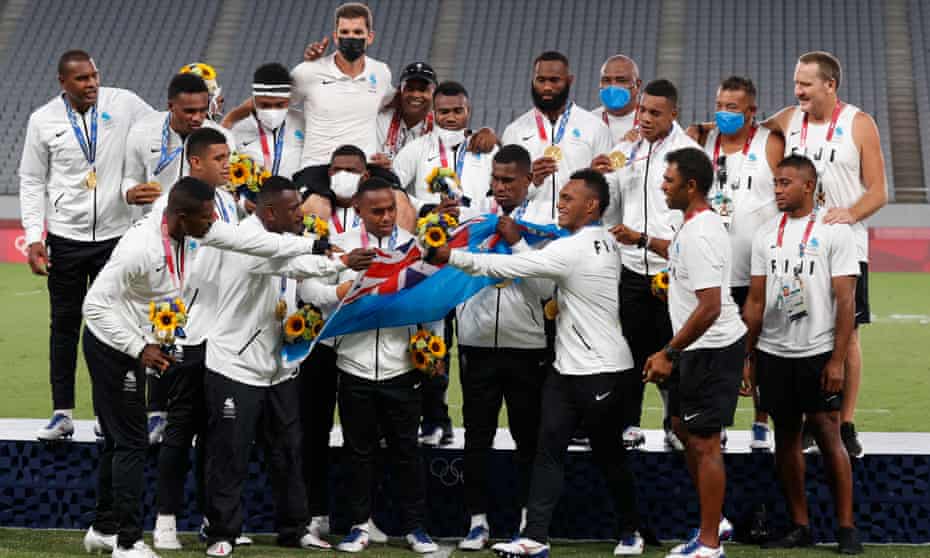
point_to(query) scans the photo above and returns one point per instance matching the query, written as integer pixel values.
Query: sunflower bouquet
(433, 231)
(246, 176)
(444, 181)
(168, 318)
(660, 285)
(304, 325)
(317, 227)
(427, 351)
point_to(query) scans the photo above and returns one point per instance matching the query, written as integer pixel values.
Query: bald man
(619, 95)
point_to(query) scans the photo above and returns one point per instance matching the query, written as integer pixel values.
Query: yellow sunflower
(152, 311)
(450, 220)
(660, 284)
(205, 71)
(437, 347)
(239, 174)
(316, 328)
(166, 320)
(435, 237)
(420, 360)
(294, 326)
(263, 176)
(320, 227)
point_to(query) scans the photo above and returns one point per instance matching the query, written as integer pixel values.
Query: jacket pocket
(581, 337)
(250, 341)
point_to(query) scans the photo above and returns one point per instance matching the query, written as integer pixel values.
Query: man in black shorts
(800, 314)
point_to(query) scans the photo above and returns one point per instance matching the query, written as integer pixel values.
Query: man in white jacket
(148, 265)
(379, 390)
(249, 394)
(593, 365)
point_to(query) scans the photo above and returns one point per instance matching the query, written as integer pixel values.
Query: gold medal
(280, 309)
(553, 152)
(504, 284)
(617, 160)
(551, 309)
(90, 181)
(156, 184)
(821, 198)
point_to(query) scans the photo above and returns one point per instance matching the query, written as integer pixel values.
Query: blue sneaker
(695, 549)
(157, 425)
(420, 542)
(59, 427)
(760, 437)
(476, 538)
(355, 541)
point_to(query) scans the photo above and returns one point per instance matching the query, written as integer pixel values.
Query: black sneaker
(851, 440)
(848, 539)
(796, 537)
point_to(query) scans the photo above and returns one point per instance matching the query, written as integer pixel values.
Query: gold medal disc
(281, 309)
(90, 181)
(504, 284)
(617, 160)
(551, 309)
(553, 152)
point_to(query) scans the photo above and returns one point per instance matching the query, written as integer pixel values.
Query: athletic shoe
(851, 440)
(138, 550)
(430, 436)
(848, 539)
(476, 538)
(59, 427)
(672, 443)
(695, 549)
(312, 541)
(634, 437)
(797, 537)
(319, 525)
(420, 542)
(375, 534)
(760, 437)
(165, 535)
(157, 425)
(355, 541)
(521, 547)
(98, 431)
(725, 529)
(243, 540)
(220, 548)
(808, 442)
(723, 438)
(448, 435)
(630, 546)
(95, 541)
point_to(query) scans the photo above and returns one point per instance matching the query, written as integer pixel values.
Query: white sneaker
(138, 550)
(630, 546)
(220, 548)
(95, 541)
(158, 422)
(723, 438)
(319, 525)
(521, 546)
(165, 535)
(476, 538)
(312, 540)
(725, 530)
(376, 535)
(421, 543)
(431, 436)
(695, 549)
(98, 431)
(634, 437)
(59, 427)
(243, 540)
(355, 541)
(672, 442)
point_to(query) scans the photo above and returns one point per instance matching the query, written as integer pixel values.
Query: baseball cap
(419, 70)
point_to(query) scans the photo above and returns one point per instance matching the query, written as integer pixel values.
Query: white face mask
(271, 118)
(450, 138)
(344, 183)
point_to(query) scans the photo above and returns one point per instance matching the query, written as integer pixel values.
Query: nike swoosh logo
(795, 133)
(601, 396)
(432, 158)
(688, 418)
(245, 143)
(527, 138)
(416, 385)
(159, 269)
(325, 82)
(831, 398)
(155, 149)
(61, 133)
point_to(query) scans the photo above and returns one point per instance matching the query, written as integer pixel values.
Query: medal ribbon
(836, 116)
(177, 274)
(165, 158)
(278, 147)
(392, 241)
(390, 143)
(804, 239)
(752, 134)
(337, 224)
(88, 145)
(459, 157)
(563, 122)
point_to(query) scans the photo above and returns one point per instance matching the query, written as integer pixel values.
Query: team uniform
(618, 125)
(394, 134)
(579, 135)
(833, 150)
(797, 334)
(705, 387)
(593, 365)
(249, 394)
(338, 109)
(744, 196)
(70, 175)
(278, 150)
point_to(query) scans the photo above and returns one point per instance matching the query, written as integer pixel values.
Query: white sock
(319, 518)
(479, 520)
(165, 522)
(161, 414)
(67, 412)
(522, 519)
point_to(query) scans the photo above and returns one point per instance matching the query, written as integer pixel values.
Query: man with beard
(561, 136)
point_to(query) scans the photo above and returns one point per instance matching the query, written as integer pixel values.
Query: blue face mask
(615, 98)
(729, 122)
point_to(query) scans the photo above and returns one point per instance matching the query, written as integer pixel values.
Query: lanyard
(219, 203)
(459, 157)
(563, 122)
(804, 239)
(365, 242)
(717, 143)
(836, 116)
(177, 274)
(165, 158)
(278, 147)
(337, 224)
(88, 145)
(390, 144)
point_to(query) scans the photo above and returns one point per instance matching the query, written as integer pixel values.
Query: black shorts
(863, 312)
(790, 387)
(739, 294)
(704, 388)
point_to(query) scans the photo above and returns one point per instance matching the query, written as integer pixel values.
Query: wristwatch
(643, 240)
(672, 353)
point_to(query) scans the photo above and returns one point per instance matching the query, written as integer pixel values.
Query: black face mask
(351, 48)
(558, 100)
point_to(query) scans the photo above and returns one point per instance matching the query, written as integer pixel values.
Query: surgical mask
(271, 118)
(614, 97)
(450, 138)
(351, 48)
(729, 122)
(344, 183)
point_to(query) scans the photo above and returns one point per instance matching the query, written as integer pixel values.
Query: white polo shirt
(339, 109)
(249, 142)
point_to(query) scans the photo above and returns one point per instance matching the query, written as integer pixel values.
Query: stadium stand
(286, 26)
(762, 40)
(498, 41)
(919, 16)
(131, 51)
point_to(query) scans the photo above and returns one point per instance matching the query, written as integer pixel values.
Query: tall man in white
(636, 179)
(70, 174)
(561, 136)
(844, 144)
(593, 365)
(743, 155)
(800, 317)
(707, 348)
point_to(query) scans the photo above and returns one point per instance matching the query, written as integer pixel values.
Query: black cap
(419, 70)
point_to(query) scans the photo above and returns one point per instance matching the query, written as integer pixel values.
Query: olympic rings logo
(448, 471)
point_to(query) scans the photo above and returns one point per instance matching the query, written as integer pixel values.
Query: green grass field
(896, 381)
